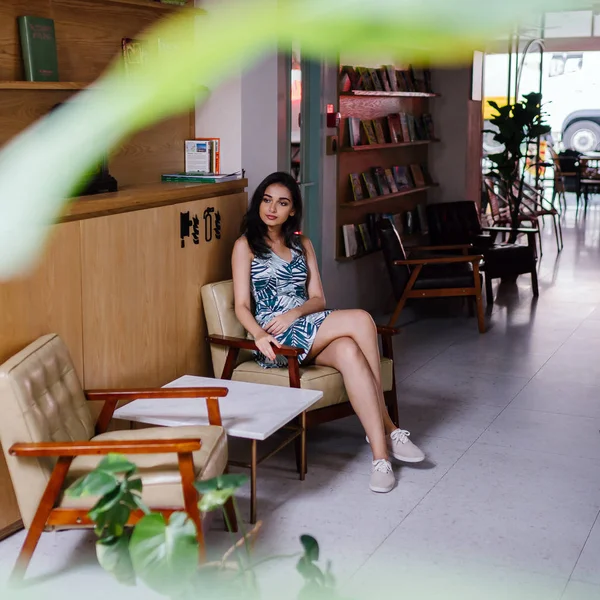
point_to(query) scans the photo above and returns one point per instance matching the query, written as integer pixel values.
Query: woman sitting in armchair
(277, 268)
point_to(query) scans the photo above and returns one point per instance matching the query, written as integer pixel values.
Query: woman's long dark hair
(255, 229)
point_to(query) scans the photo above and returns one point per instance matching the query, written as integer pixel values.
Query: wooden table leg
(253, 465)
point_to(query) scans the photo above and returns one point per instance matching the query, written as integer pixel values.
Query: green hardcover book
(38, 46)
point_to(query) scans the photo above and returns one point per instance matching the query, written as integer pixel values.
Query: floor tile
(588, 565)
(502, 509)
(527, 431)
(576, 590)
(567, 398)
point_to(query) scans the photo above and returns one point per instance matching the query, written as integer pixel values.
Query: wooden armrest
(509, 229)
(111, 397)
(434, 248)
(440, 260)
(105, 447)
(385, 330)
(151, 393)
(244, 344)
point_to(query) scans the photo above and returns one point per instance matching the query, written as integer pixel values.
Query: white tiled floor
(506, 505)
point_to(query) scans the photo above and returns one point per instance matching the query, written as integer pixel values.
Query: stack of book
(381, 182)
(393, 129)
(385, 79)
(202, 155)
(200, 177)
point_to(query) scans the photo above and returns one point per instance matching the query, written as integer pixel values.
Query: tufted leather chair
(232, 359)
(50, 439)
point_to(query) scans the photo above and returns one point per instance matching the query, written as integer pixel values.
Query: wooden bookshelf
(368, 105)
(371, 147)
(365, 94)
(386, 197)
(152, 4)
(43, 85)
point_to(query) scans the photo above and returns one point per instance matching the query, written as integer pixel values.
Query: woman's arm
(241, 261)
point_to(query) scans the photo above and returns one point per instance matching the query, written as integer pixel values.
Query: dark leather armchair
(458, 223)
(429, 276)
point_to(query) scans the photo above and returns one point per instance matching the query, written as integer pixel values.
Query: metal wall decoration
(191, 225)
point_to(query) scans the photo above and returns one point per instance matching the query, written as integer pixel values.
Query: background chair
(429, 277)
(232, 359)
(47, 434)
(458, 223)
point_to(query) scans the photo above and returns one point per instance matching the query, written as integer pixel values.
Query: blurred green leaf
(116, 463)
(114, 558)
(165, 556)
(95, 483)
(65, 145)
(216, 491)
(311, 547)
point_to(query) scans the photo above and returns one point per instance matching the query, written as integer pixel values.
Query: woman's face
(276, 206)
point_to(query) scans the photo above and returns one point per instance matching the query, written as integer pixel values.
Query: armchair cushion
(159, 472)
(453, 275)
(314, 377)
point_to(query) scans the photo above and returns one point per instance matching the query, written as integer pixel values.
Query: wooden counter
(121, 287)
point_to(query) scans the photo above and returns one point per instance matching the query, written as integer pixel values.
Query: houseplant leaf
(164, 555)
(114, 558)
(65, 145)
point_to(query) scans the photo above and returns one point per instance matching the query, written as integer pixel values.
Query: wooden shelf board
(365, 94)
(385, 197)
(44, 85)
(149, 4)
(368, 147)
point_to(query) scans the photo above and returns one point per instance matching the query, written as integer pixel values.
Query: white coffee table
(250, 410)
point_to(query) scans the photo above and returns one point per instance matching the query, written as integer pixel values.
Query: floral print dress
(277, 287)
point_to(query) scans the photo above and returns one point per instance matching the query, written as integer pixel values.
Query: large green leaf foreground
(45, 165)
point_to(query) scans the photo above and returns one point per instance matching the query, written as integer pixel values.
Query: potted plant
(163, 554)
(519, 125)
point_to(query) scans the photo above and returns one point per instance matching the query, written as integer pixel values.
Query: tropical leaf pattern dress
(277, 287)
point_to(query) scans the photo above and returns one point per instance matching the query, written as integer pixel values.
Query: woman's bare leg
(344, 355)
(360, 327)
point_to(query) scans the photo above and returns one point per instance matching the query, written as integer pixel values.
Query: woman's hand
(263, 343)
(281, 323)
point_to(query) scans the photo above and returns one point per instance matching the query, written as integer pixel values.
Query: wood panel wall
(88, 35)
(124, 296)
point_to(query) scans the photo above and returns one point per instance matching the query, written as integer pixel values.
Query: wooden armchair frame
(534, 203)
(47, 515)
(320, 415)
(416, 266)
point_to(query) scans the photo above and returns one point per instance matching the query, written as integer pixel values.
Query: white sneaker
(401, 448)
(382, 476)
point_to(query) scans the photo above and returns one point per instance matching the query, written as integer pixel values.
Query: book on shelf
(377, 85)
(391, 77)
(379, 135)
(370, 184)
(133, 51)
(395, 128)
(422, 213)
(354, 136)
(381, 183)
(214, 151)
(369, 132)
(386, 78)
(365, 78)
(38, 48)
(417, 174)
(383, 76)
(404, 127)
(365, 237)
(350, 242)
(391, 181)
(403, 178)
(357, 191)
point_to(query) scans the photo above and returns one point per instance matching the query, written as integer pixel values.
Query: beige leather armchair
(48, 438)
(232, 359)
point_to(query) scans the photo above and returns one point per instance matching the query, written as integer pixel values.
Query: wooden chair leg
(534, 283)
(391, 401)
(300, 443)
(45, 507)
(489, 291)
(395, 316)
(190, 498)
(478, 302)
